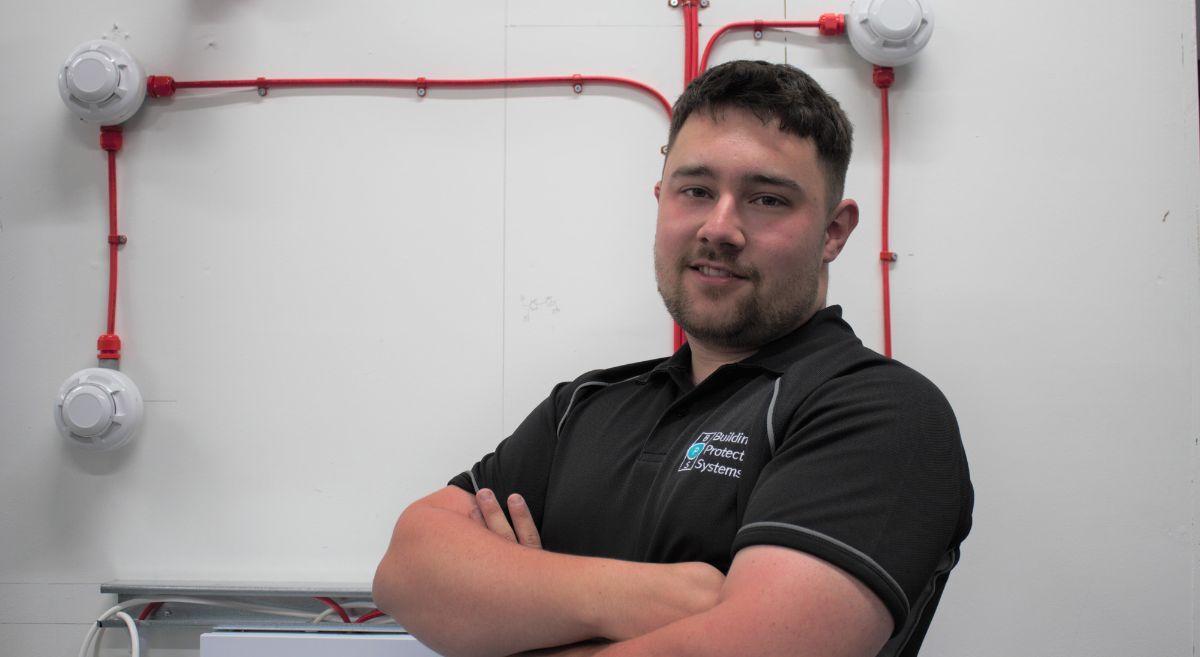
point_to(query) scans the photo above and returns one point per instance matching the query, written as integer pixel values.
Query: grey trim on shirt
(771, 417)
(849, 549)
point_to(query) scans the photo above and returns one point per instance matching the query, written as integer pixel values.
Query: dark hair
(775, 91)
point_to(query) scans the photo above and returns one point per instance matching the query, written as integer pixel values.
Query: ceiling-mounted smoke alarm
(889, 32)
(102, 83)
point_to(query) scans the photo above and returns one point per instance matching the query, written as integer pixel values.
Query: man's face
(743, 233)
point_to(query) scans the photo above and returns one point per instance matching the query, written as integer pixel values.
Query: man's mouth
(714, 272)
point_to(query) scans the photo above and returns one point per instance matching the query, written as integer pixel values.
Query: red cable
(693, 31)
(369, 616)
(883, 77)
(742, 25)
(149, 610)
(691, 43)
(112, 245)
(109, 345)
(336, 607)
(161, 85)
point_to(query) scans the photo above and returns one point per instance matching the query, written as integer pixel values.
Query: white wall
(324, 297)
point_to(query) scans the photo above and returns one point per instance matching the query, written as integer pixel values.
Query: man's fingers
(527, 532)
(493, 515)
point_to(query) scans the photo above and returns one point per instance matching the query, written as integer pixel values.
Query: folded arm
(775, 601)
(464, 589)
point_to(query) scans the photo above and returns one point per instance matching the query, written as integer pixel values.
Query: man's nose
(722, 228)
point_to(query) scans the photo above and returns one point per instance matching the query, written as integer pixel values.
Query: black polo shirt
(814, 443)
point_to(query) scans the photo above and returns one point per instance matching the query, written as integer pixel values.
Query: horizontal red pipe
(267, 83)
(749, 25)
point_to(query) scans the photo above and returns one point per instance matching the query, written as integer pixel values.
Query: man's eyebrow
(694, 171)
(774, 181)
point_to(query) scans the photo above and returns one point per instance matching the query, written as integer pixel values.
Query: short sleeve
(521, 463)
(869, 476)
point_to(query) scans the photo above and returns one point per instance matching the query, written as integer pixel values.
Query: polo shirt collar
(775, 356)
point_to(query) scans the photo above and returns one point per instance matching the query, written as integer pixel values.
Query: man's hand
(522, 531)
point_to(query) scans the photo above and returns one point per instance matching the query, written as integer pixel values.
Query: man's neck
(706, 359)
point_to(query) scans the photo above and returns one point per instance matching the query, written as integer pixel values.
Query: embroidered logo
(710, 453)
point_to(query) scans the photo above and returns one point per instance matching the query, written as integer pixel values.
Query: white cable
(135, 643)
(115, 610)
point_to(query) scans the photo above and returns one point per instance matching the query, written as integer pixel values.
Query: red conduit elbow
(828, 24)
(108, 346)
(883, 77)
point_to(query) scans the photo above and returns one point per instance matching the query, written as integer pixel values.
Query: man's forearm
(776, 601)
(464, 591)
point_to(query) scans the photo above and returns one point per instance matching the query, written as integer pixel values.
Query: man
(773, 488)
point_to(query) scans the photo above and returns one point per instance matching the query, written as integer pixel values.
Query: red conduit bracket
(758, 29)
(888, 256)
(262, 86)
(577, 83)
(422, 85)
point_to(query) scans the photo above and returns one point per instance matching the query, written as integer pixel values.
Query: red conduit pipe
(883, 76)
(108, 345)
(691, 32)
(160, 86)
(691, 68)
(828, 24)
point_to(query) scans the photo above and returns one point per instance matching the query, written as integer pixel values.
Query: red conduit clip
(888, 256)
(832, 24)
(111, 138)
(160, 86)
(883, 76)
(421, 87)
(109, 347)
(758, 29)
(262, 86)
(117, 240)
(578, 86)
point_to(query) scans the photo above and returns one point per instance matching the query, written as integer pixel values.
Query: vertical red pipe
(883, 77)
(112, 244)
(108, 345)
(691, 60)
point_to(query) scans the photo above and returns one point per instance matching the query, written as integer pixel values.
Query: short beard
(754, 321)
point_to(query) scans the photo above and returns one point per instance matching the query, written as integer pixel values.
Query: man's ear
(842, 223)
(657, 189)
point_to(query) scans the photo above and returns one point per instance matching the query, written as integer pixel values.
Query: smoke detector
(889, 32)
(102, 83)
(98, 409)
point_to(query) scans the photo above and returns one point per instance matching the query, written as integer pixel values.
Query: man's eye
(695, 192)
(770, 201)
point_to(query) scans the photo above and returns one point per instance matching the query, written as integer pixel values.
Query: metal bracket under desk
(298, 597)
